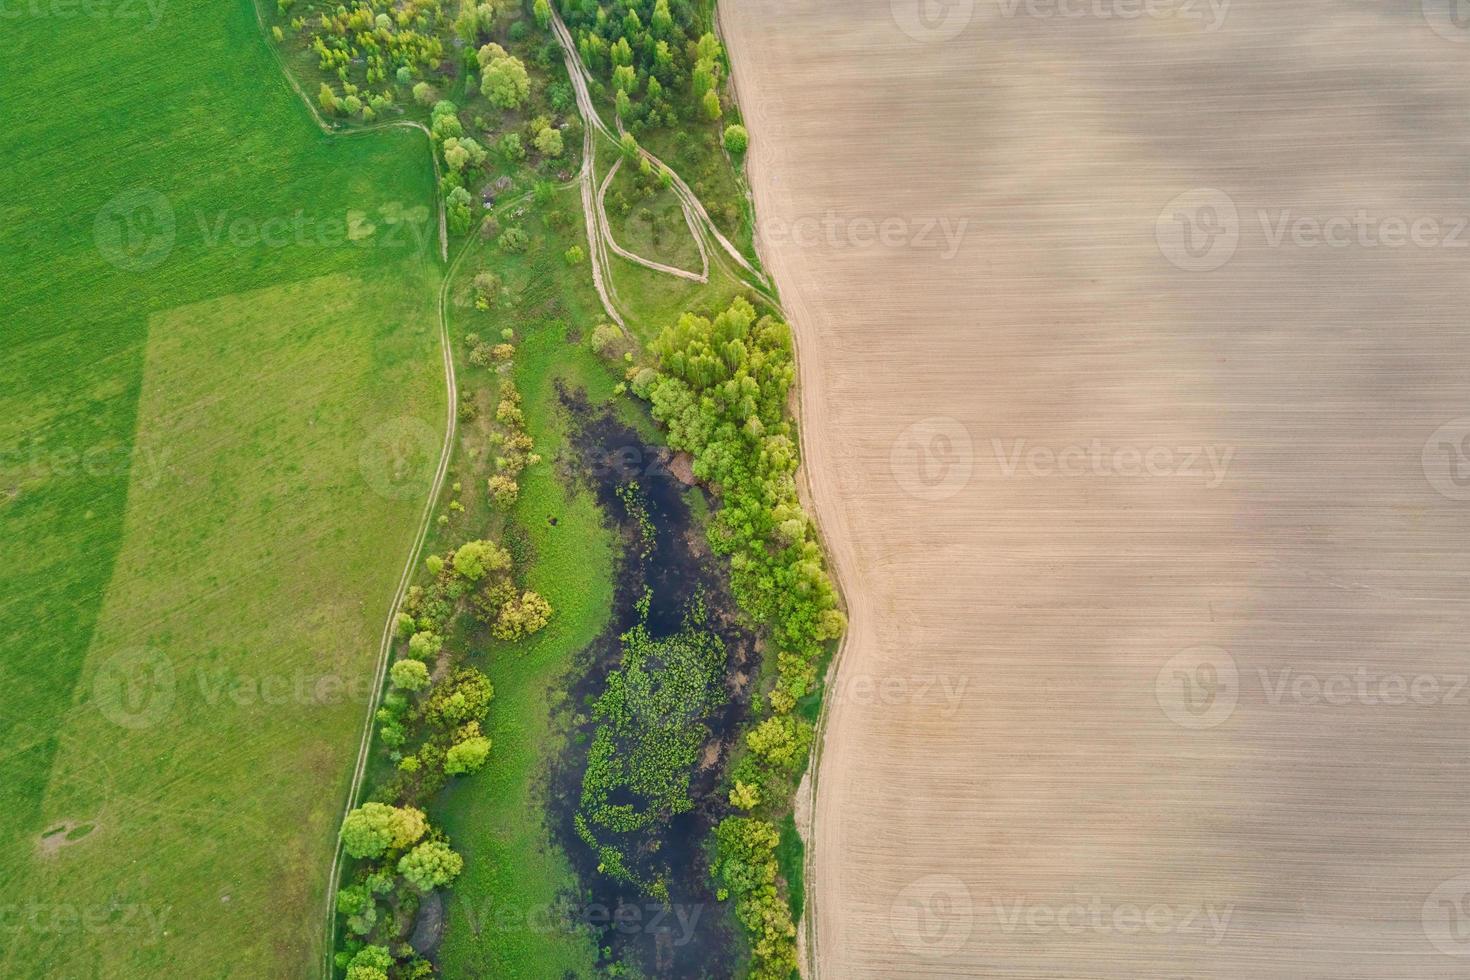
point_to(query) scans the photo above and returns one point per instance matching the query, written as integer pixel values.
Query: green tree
(370, 963)
(629, 145)
(542, 10)
(409, 675)
(711, 105)
(430, 865)
(328, 99)
(473, 559)
(425, 645)
(663, 21)
(467, 755)
(736, 139)
(622, 52)
(548, 142)
(373, 828)
(521, 617)
(511, 148)
(505, 82)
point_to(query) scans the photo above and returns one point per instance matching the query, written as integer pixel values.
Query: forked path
(1108, 709)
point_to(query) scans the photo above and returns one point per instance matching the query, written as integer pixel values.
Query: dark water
(665, 556)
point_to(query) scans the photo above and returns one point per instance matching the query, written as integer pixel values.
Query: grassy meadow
(221, 382)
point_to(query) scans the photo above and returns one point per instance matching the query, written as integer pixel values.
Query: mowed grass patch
(199, 177)
(233, 658)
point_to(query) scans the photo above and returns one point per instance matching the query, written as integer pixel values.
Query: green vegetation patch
(210, 737)
(648, 729)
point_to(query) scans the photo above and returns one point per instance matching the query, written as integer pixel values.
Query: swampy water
(666, 572)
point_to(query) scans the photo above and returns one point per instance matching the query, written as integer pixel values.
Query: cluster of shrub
(509, 439)
(430, 724)
(720, 387)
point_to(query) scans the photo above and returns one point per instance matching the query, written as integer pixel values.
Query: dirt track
(1158, 568)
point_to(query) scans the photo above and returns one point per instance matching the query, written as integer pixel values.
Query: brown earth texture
(1135, 387)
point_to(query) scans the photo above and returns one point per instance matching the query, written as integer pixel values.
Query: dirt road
(1135, 375)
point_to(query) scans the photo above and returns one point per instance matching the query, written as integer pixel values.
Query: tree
(548, 142)
(463, 697)
(503, 490)
(623, 104)
(505, 82)
(425, 645)
(409, 675)
(655, 89)
(511, 148)
(403, 626)
(521, 617)
(474, 558)
(736, 139)
(625, 79)
(468, 754)
(622, 52)
(542, 10)
(373, 828)
(745, 796)
(430, 865)
(780, 740)
(573, 255)
(711, 104)
(663, 21)
(424, 94)
(514, 240)
(629, 146)
(370, 963)
(328, 99)
(457, 209)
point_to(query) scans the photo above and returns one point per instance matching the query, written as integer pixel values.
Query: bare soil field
(1135, 387)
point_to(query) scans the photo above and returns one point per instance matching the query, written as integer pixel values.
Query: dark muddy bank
(666, 563)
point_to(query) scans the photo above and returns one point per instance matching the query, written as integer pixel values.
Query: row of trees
(720, 387)
(431, 722)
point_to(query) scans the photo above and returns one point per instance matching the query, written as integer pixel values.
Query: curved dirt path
(702, 276)
(693, 207)
(1066, 737)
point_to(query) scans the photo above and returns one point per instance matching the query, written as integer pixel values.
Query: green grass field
(212, 311)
